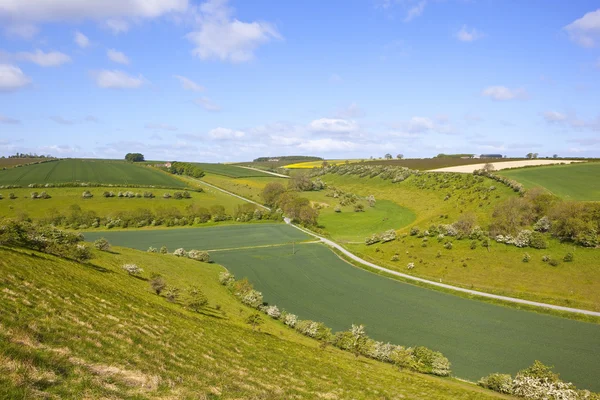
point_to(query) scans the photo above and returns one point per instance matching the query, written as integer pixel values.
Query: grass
(478, 338)
(579, 181)
(230, 170)
(219, 237)
(94, 171)
(249, 187)
(73, 331)
(63, 198)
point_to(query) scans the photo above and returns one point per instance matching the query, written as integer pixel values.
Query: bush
(414, 231)
(431, 362)
(337, 208)
(172, 294)
(537, 241)
(501, 383)
(359, 208)
(164, 250)
(273, 312)
(132, 269)
(554, 262)
(180, 252)
(255, 320)
(395, 257)
(448, 245)
(152, 250)
(102, 244)
(166, 196)
(410, 265)
(568, 257)
(374, 238)
(526, 257)
(195, 299)
(198, 255)
(289, 319)
(473, 244)
(388, 236)
(87, 194)
(252, 298)
(158, 284)
(226, 278)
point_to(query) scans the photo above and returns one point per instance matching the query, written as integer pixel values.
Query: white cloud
(8, 121)
(161, 127)
(22, 30)
(326, 145)
(225, 134)
(50, 59)
(12, 78)
(81, 40)
(189, 84)
(224, 38)
(415, 11)
(117, 80)
(117, 26)
(585, 31)
(207, 104)
(117, 56)
(501, 93)
(468, 35)
(554, 116)
(333, 125)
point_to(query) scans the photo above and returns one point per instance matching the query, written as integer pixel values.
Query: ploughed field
(88, 171)
(580, 181)
(309, 280)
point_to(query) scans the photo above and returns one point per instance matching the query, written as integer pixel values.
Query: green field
(230, 170)
(478, 338)
(578, 181)
(219, 237)
(90, 331)
(88, 171)
(63, 198)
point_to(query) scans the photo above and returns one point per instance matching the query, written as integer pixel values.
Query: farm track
(369, 264)
(266, 172)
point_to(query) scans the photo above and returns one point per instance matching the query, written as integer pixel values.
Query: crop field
(230, 170)
(579, 181)
(11, 162)
(93, 171)
(318, 164)
(478, 338)
(423, 164)
(62, 199)
(213, 238)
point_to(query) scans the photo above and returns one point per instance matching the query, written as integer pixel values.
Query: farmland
(70, 330)
(230, 170)
(9, 162)
(420, 164)
(571, 182)
(221, 237)
(88, 171)
(63, 199)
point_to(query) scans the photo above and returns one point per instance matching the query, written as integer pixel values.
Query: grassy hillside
(571, 182)
(64, 198)
(249, 187)
(94, 171)
(70, 330)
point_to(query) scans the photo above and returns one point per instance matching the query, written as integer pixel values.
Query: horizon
(225, 80)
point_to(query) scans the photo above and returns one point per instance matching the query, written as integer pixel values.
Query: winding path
(353, 257)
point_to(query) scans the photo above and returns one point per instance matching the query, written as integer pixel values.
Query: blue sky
(234, 80)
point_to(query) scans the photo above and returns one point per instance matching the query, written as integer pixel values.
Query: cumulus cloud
(222, 37)
(114, 79)
(12, 78)
(327, 145)
(333, 125)
(225, 134)
(585, 31)
(189, 84)
(207, 104)
(554, 116)
(419, 125)
(8, 121)
(50, 59)
(81, 40)
(572, 121)
(117, 56)
(468, 35)
(502, 93)
(415, 11)
(160, 127)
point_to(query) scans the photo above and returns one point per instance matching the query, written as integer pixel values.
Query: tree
(158, 284)
(400, 156)
(489, 167)
(134, 157)
(255, 320)
(388, 156)
(271, 193)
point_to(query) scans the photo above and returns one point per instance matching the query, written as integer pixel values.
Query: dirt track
(498, 165)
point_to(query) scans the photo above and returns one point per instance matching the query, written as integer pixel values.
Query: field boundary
(261, 246)
(266, 172)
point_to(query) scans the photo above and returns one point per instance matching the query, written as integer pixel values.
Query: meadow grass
(578, 181)
(478, 338)
(319, 163)
(94, 171)
(230, 170)
(205, 238)
(63, 198)
(73, 331)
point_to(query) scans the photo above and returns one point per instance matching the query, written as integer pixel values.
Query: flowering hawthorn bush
(180, 252)
(132, 269)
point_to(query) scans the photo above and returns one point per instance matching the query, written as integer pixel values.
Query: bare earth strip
(468, 169)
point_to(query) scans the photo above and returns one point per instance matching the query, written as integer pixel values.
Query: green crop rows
(93, 171)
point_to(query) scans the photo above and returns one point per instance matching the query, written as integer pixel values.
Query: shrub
(172, 294)
(337, 208)
(374, 238)
(359, 208)
(388, 236)
(12, 196)
(554, 262)
(414, 231)
(537, 241)
(395, 257)
(568, 257)
(546, 258)
(165, 196)
(158, 284)
(315, 330)
(273, 312)
(199, 255)
(289, 319)
(542, 225)
(102, 244)
(87, 194)
(501, 383)
(526, 257)
(473, 244)
(523, 238)
(180, 252)
(448, 245)
(252, 298)
(255, 320)
(195, 299)
(226, 278)
(410, 265)
(132, 269)
(164, 250)
(431, 362)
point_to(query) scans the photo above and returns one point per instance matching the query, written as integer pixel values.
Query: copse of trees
(187, 169)
(134, 157)
(298, 209)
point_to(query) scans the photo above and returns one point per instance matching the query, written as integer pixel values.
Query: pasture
(479, 338)
(88, 171)
(230, 170)
(209, 238)
(580, 181)
(62, 199)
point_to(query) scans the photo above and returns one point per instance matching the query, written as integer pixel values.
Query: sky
(222, 81)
